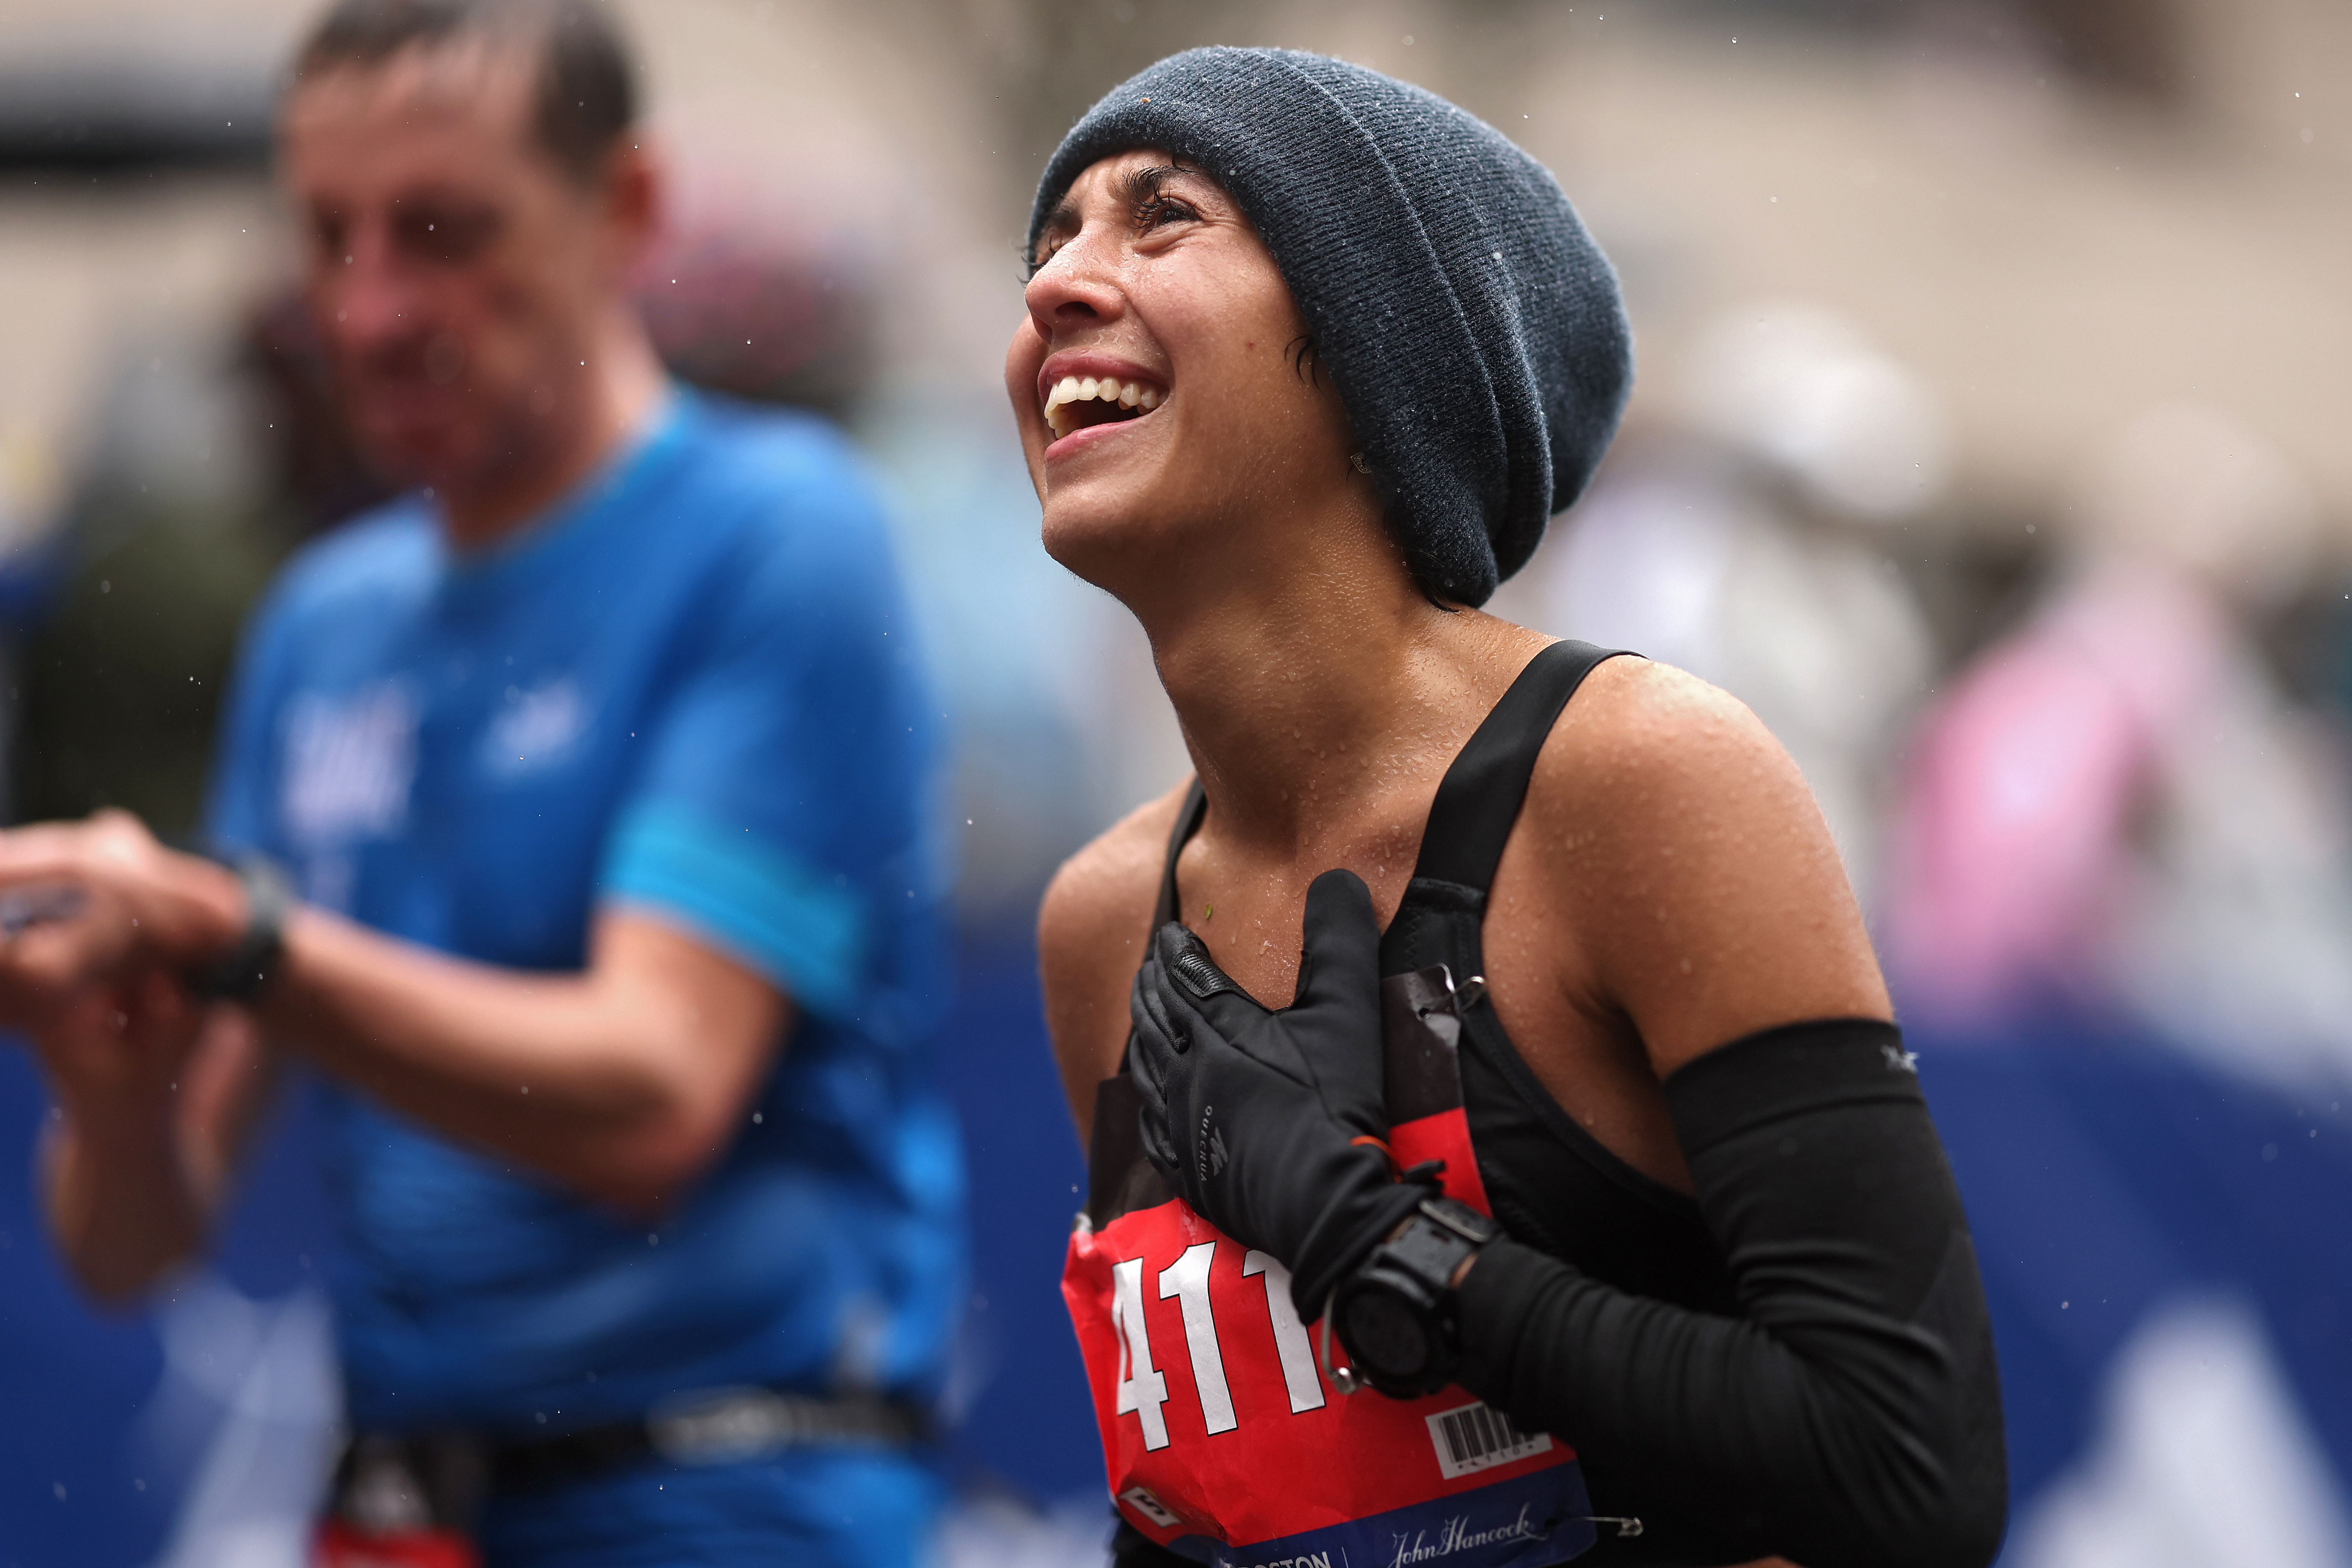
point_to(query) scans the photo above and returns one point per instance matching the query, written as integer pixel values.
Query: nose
(365, 300)
(1079, 285)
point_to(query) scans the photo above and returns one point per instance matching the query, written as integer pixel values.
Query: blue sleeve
(781, 804)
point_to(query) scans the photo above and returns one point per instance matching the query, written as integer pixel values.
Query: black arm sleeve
(1850, 1416)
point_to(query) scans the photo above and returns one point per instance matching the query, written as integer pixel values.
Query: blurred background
(1995, 365)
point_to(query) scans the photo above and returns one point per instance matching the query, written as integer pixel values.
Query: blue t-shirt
(691, 688)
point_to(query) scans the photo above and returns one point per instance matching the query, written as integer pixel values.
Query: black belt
(388, 1482)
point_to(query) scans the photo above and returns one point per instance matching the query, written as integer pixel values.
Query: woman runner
(1310, 358)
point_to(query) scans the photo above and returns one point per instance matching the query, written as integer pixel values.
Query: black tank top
(1553, 1185)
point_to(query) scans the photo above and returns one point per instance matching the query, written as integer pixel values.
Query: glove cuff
(1363, 1208)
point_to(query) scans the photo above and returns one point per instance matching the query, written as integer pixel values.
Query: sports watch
(238, 974)
(1395, 1314)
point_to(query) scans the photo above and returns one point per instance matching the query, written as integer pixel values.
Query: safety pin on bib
(1343, 1378)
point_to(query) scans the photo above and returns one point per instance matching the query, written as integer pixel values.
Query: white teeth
(1109, 389)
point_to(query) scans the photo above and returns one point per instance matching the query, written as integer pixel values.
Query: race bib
(339, 1545)
(402, 1502)
(1223, 1438)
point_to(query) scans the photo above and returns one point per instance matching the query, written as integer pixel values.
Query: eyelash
(1148, 214)
(1156, 210)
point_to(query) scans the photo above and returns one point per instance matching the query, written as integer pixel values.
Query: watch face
(1386, 1334)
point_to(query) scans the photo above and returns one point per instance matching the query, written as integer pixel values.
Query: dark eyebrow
(1141, 184)
(1138, 188)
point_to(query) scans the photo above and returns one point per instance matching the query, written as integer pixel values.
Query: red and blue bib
(1225, 1439)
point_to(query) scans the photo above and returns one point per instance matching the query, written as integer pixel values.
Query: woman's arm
(1850, 1413)
(1675, 855)
(1847, 1414)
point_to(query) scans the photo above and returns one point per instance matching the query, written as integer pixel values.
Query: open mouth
(1079, 401)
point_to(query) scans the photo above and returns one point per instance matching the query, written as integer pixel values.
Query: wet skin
(1670, 886)
(1152, 273)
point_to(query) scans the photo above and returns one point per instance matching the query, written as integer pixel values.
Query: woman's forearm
(1850, 1414)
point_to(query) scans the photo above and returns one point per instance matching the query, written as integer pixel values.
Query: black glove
(1250, 1115)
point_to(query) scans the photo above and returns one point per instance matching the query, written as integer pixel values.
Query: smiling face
(456, 272)
(1164, 387)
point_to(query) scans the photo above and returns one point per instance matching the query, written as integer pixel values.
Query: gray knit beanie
(1473, 328)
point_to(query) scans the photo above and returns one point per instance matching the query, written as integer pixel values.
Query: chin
(1082, 544)
(416, 435)
(409, 455)
(1121, 549)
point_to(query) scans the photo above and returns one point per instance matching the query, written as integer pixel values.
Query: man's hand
(120, 1046)
(154, 1093)
(625, 1080)
(104, 908)
(96, 923)
(1273, 1125)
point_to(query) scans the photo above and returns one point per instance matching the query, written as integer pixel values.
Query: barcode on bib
(1474, 1437)
(1149, 1507)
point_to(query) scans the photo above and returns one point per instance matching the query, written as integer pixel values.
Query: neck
(594, 416)
(1311, 697)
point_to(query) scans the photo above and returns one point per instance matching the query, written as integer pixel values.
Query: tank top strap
(1188, 823)
(1478, 800)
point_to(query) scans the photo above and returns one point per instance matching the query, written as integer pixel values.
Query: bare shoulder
(1694, 865)
(1091, 931)
(1098, 909)
(1649, 741)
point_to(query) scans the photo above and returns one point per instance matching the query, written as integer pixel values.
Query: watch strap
(1411, 1274)
(239, 973)
(1430, 1249)
(1464, 1221)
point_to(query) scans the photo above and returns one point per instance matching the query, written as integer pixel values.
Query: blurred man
(600, 773)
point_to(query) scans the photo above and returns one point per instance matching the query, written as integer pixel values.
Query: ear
(634, 191)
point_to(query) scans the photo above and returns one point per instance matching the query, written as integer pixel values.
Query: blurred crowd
(2124, 791)
(2073, 690)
